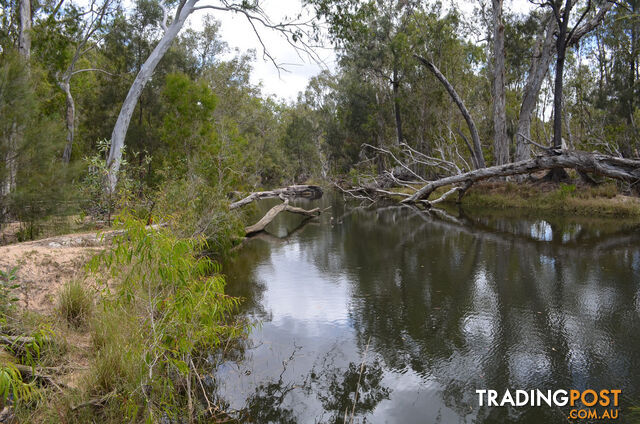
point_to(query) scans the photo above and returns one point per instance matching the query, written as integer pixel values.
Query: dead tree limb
(309, 191)
(597, 163)
(476, 153)
(273, 212)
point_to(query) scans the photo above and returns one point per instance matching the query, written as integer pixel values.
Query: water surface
(435, 306)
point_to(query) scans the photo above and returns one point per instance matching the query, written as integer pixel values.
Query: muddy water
(435, 307)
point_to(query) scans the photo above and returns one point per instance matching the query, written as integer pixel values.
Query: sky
(237, 32)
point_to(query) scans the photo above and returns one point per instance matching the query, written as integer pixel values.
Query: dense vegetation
(199, 131)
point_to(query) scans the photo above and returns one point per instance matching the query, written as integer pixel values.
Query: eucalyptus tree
(550, 41)
(171, 24)
(8, 184)
(85, 25)
(500, 140)
(372, 36)
(618, 61)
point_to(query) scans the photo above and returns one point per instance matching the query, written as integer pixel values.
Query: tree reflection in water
(450, 301)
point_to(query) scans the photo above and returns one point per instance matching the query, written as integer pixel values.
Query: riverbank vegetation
(130, 113)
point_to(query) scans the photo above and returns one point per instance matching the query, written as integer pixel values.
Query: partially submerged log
(273, 212)
(308, 191)
(597, 163)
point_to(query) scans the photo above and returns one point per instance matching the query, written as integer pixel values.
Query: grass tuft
(75, 303)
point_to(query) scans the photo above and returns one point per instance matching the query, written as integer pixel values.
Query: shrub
(153, 334)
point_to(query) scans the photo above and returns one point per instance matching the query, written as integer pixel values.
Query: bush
(75, 303)
(155, 332)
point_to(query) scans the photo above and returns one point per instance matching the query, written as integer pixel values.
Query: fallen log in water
(309, 191)
(273, 212)
(597, 163)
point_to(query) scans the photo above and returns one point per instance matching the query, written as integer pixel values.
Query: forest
(138, 115)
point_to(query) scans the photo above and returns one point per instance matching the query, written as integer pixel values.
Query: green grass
(599, 201)
(75, 303)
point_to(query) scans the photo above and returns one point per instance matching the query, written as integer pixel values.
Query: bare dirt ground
(43, 266)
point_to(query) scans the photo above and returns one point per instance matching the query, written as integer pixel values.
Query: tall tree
(24, 48)
(93, 22)
(500, 139)
(251, 11)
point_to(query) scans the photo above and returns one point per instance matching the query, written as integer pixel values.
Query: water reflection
(435, 305)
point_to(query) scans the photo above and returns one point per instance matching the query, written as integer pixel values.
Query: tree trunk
(308, 191)
(500, 141)
(396, 106)
(70, 120)
(557, 94)
(146, 71)
(11, 160)
(273, 212)
(477, 147)
(608, 166)
(24, 38)
(537, 71)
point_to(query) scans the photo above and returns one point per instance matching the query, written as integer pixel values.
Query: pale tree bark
(540, 63)
(252, 12)
(476, 152)
(70, 118)
(11, 162)
(537, 71)
(273, 212)
(307, 191)
(395, 83)
(146, 71)
(500, 139)
(605, 165)
(93, 24)
(24, 38)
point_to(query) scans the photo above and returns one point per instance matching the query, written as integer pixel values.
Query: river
(417, 311)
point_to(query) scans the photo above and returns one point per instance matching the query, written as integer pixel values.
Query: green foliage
(102, 203)
(7, 286)
(11, 384)
(166, 313)
(29, 138)
(566, 190)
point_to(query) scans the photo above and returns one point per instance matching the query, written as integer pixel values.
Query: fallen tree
(308, 191)
(596, 163)
(273, 212)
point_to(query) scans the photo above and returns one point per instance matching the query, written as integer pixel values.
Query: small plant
(75, 303)
(7, 286)
(566, 190)
(103, 203)
(11, 384)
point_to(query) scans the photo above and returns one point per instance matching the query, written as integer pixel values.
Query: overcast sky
(237, 32)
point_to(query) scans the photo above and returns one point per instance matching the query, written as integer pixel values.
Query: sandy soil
(43, 266)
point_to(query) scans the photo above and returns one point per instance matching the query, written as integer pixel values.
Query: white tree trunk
(24, 38)
(605, 165)
(11, 163)
(539, 67)
(500, 140)
(70, 120)
(146, 71)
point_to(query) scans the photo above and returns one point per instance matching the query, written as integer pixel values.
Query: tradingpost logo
(584, 404)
